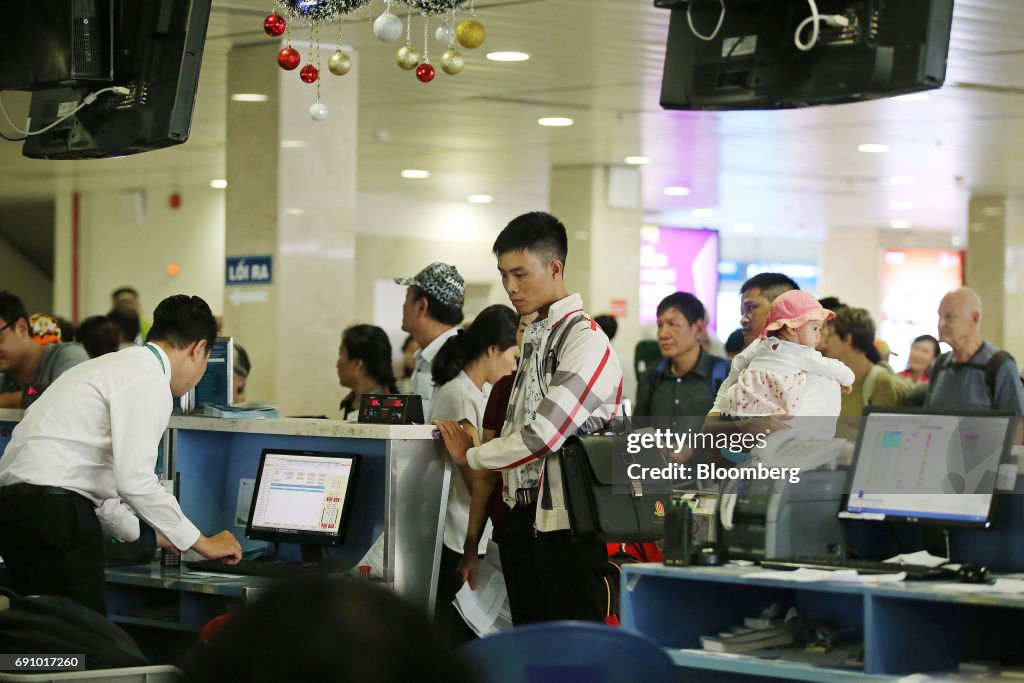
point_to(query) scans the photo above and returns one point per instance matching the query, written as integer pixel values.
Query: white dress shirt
(95, 431)
(422, 380)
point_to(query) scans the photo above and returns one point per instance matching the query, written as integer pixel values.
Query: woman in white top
(364, 366)
(781, 373)
(463, 371)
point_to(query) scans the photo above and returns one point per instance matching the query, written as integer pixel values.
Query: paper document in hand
(797, 448)
(486, 609)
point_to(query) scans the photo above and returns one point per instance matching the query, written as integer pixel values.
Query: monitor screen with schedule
(302, 497)
(929, 467)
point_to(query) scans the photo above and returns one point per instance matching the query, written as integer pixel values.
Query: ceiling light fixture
(248, 97)
(899, 224)
(218, 184)
(677, 191)
(873, 148)
(638, 161)
(507, 56)
(744, 227)
(555, 121)
(913, 97)
(415, 173)
(294, 144)
(480, 199)
(703, 213)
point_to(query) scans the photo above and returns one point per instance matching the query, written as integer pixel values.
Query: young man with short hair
(90, 442)
(756, 297)
(568, 382)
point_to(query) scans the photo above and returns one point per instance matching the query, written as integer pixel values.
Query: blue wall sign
(249, 270)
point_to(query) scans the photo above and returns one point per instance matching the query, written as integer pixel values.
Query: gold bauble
(339, 64)
(407, 57)
(452, 61)
(470, 34)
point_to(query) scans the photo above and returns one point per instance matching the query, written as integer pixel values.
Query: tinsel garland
(437, 6)
(316, 12)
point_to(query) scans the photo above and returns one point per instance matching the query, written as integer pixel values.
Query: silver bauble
(445, 34)
(387, 27)
(452, 61)
(339, 64)
(318, 112)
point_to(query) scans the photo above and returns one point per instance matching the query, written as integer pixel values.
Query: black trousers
(53, 545)
(551, 576)
(449, 623)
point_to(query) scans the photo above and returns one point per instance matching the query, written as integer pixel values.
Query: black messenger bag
(604, 503)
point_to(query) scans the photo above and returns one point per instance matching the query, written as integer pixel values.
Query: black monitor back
(158, 49)
(891, 47)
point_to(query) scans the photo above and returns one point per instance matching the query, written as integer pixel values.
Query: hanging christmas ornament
(452, 61)
(309, 74)
(387, 27)
(274, 24)
(339, 64)
(445, 34)
(407, 57)
(288, 58)
(425, 73)
(318, 112)
(470, 33)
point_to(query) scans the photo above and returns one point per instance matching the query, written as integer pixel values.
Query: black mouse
(708, 555)
(972, 573)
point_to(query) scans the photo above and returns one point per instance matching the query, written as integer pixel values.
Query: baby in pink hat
(781, 373)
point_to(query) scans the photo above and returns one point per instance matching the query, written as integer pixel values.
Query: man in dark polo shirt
(684, 383)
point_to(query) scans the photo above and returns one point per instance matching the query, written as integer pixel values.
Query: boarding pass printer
(784, 519)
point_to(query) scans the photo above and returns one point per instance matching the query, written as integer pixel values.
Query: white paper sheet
(486, 610)
(921, 557)
(804, 575)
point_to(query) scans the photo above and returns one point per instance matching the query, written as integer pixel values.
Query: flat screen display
(302, 497)
(928, 467)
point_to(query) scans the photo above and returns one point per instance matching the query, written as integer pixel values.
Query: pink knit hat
(793, 309)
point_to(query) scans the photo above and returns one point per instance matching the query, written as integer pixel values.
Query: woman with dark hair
(923, 352)
(478, 356)
(364, 366)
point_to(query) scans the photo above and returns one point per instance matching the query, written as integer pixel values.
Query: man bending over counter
(91, 441)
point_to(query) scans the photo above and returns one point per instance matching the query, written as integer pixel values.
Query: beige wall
(19, 276)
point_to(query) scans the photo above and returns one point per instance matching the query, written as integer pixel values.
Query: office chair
(568, 651)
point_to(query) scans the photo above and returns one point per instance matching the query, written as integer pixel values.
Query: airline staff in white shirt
(89, 443)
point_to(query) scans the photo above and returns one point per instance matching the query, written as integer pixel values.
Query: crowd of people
(505, 393)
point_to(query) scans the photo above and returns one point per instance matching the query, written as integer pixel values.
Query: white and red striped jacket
(568, 382)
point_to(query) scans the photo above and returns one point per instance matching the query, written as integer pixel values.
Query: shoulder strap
(719, 372)
(554, 349)
(992, 370)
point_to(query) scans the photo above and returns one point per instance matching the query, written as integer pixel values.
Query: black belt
(13, 490)
(526, 496)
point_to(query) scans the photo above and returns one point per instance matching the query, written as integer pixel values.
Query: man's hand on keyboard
(223, 545)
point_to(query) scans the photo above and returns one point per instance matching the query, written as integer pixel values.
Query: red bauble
(425, 73)
(288, 58)
(309, 74)
(274, 24)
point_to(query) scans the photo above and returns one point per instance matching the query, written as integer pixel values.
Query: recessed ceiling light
(899, 224)
(218, 184)
(913, 97)
(507, 56)
(873, 148)
(638, 161)
(903, 180)
(415, 173)
(555, 121)
(900, 205)
(703, 213)
(744, 227)
(295, 212)
(248, 97)
(677, 191)
(480, 199)
(294, 144)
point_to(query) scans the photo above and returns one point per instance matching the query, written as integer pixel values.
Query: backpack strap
(992, 371)
(719, 372)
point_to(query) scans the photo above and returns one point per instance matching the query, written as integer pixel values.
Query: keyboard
(914, 572)
(275, 569)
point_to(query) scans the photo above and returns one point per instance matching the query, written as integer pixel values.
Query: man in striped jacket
(568, 382)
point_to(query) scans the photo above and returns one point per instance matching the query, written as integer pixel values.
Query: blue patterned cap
(441, 281)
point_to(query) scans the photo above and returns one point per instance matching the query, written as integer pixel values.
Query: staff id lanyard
(158, 357)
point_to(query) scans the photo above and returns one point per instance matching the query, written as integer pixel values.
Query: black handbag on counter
(603, 502)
